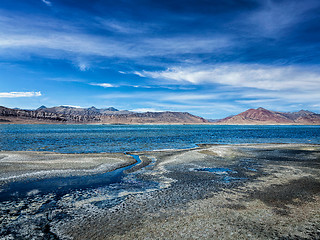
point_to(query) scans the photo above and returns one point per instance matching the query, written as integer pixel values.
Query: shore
(31, 122)
(21, 165)
(246, 191)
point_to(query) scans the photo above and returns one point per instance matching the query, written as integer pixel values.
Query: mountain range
(92, 115)
(65, 114)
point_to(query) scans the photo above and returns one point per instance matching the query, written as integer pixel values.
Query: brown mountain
(92, 111)
(263, 116)
(93, 115)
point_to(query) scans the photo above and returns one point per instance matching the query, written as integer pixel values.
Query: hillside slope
(261, 116)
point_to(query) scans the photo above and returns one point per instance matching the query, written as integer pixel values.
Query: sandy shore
(23, 165)
(279, 200)
(248, 191)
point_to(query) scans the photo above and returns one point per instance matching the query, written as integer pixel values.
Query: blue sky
(210, 58)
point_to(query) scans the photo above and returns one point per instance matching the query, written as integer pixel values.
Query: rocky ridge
(65, 114)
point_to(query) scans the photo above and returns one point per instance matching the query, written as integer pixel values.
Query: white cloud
(64, 79)
(62, 39)
(19, 94)
(140, 74)
(190, 97)
(123, 27)
(213, 109)
(274, 17)
(73, 106)
(256, 101)
(47, 2)
(296, 96)
(242, 85)
(242, 75)
(83, 44)
(105, 85)
(183, 45)
(109, 85)
(146, 110)
(83, 67)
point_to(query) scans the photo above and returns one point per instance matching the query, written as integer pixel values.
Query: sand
(23, 165)
(248, 191)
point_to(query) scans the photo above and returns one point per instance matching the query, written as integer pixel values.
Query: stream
(64, 185)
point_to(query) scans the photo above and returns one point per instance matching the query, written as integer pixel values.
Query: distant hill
(92, 111)
(66, 114)
(262, 116)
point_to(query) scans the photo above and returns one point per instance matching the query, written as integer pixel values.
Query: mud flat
(23, 165)
(248, 191)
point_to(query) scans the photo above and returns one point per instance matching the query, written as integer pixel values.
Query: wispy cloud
(216, 109)
(296, 96)
(145, 86)
(242, 85)
(47, 2)
(65, 39)
(185, 45)
(146, 110)
(275, 17)
(190, 97)
(83, 67)
(19, 94)
(140, 74)
(78, 44)
(243, 75)
(73, 106)
(257, 101)
(65, 79)
(104, 85)
(124, 27)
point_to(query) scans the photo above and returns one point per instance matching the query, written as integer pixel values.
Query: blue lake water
(121, 138)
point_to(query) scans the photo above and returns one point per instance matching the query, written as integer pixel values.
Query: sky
(207, 57)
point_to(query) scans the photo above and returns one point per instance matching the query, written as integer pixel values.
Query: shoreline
(54, 164)
(155, 124)
(21, 165)
(207, 192)
(249, 182)
(48, 164)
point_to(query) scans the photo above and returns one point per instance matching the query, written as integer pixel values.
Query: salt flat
(245, 191)
(17, 165)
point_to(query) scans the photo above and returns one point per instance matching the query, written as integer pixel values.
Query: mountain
(155, 117)
(92, 111)
(66, 114)
(92, 115)
(262, 116)
(41, 107)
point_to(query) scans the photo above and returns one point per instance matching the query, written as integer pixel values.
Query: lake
(122, 138)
